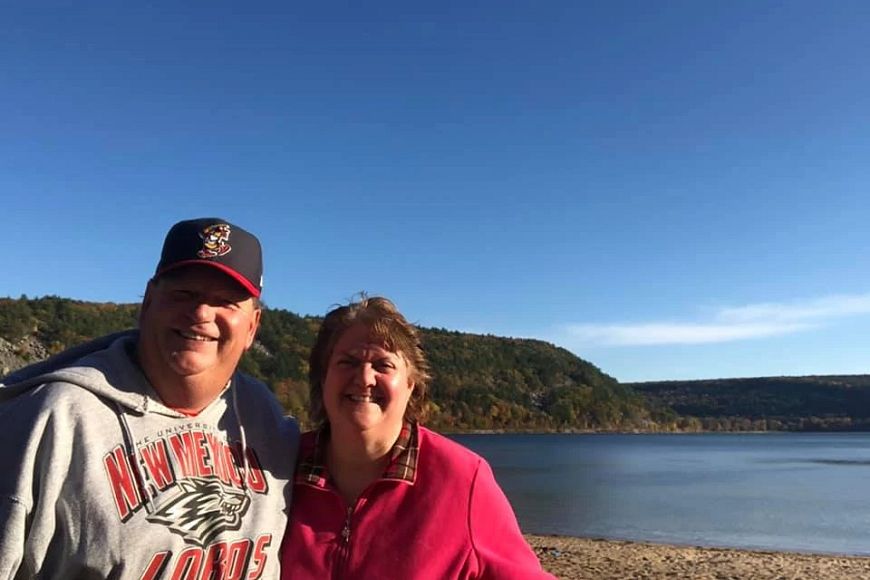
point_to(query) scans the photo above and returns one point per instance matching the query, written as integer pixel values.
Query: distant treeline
(812, 403)
(481, 382)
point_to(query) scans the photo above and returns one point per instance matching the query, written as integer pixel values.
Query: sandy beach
(579, 558)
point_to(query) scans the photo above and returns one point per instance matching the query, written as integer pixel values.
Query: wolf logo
(215, 241)
(202, 509)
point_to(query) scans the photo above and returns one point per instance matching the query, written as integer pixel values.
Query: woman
(376, 494)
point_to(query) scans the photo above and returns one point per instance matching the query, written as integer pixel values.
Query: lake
(781, 491)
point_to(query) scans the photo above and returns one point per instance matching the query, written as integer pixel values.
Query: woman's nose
(366, 375)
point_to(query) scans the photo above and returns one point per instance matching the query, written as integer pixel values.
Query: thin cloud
(727, 324)
(820, 308)
(675, 332)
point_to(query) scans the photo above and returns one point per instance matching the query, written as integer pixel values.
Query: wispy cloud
(727, 324)
(675, 332)
(817, 309)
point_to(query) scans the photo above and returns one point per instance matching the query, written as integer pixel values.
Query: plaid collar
(311, 467)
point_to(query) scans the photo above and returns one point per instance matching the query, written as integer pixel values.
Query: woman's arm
(501, 550)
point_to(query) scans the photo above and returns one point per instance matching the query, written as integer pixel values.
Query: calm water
(803, 492)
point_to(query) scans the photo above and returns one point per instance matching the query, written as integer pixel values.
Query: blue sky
(668, 189)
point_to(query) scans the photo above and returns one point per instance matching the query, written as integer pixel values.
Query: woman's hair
(386, 324)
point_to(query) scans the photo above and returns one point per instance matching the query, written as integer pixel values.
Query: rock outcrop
(14, 355)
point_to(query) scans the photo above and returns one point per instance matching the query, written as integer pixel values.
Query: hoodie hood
(104, 366)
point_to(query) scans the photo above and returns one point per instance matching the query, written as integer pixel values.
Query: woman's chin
(362, 417)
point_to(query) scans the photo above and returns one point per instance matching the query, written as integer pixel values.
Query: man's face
(195, 323)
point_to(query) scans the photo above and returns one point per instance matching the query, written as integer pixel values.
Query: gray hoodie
(98, 479)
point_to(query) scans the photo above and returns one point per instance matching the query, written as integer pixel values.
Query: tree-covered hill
(490, 382)
(481, 382)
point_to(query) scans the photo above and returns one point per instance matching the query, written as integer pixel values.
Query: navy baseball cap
(218, 243)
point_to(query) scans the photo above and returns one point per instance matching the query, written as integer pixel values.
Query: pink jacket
(451, 521)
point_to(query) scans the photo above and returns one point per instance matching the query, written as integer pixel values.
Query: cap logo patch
(215, 241)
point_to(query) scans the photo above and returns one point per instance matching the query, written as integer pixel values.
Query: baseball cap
(218, 243)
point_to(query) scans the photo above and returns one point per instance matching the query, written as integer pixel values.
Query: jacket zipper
(344, 546)
(345, 531)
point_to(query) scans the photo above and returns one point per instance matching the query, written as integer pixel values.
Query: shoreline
(572, 558)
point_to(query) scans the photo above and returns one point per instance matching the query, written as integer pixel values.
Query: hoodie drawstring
(243, 441)
(130, 445)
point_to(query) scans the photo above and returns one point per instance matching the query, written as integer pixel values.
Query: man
(145, 454)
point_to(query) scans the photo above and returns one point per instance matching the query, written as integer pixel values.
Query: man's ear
(146, 300)
(255, 324)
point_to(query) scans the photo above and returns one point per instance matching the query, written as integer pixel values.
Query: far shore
(571, 558)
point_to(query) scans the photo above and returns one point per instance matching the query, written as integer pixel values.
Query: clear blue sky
(668, 189)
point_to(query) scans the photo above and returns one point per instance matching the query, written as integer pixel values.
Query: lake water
(782, 491)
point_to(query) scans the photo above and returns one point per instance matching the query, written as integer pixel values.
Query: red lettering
(183, 450)
(155, 567)
(237, 559)
(200, 454)
(230, 458)
(222, 561)
(256, 479)
(215, 564)
(123, 484)
(216, 451)
(188, 564)
(260, 556)
(157, 464)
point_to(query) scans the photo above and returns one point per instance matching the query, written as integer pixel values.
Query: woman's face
(367, 387)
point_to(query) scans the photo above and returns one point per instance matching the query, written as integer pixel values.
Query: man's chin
(190, 365)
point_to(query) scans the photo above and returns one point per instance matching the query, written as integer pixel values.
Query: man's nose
(201, 311)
